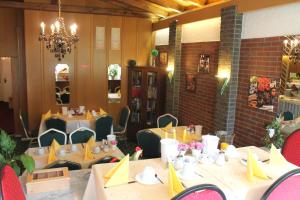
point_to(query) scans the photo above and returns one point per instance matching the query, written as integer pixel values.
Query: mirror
(114, 83)
(62, 84)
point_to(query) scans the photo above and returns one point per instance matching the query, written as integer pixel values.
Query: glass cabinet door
(136, 93)
(151, 98)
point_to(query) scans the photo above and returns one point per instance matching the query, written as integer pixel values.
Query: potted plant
(9, 157)
(273, 134)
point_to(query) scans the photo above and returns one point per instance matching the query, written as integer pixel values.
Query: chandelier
(59, 41)
(292, 48)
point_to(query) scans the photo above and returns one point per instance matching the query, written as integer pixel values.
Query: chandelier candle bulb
(57, 26)
(73, 28)
(43, 28)
(52, 28)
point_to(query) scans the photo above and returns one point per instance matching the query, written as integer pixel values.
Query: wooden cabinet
(146, 97)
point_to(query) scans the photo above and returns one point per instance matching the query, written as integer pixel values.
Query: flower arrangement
(196, 145)
(114, 142)
(274, 135)
(182, 148)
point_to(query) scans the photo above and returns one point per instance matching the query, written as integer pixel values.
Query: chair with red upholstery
(287, 187)
(291, 148)
(11, 188)
(201, 192)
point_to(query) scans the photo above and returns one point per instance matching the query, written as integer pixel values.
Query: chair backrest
(24, 123)
(287, 115)
(201, 192)
(103, 127)
(46, 138)
(165, 119)
(56, 123)
(65, 97)
(150, 143)
(287, 187)
(106, 159)
(11, 188)
(81, 135)
(64, 163)
(124, 116)
(291, 148)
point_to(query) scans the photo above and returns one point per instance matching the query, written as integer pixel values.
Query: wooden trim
(206, 12)
(75, 9)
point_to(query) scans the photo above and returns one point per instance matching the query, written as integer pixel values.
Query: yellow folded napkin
(55, 145)
(91, 142)
(175, 185)
(169, 126)
(276, 158)
(89, 116)
(119, 174)
(102, 112)
(87, 153)
(51, 157)
(254, 168)
(58, 114)
(47, 115)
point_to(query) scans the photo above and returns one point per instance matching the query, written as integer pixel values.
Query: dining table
(73, 122)
(41, 161)
(179, 133)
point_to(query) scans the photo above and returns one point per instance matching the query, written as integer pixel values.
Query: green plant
(154, 53)
(8, 155)
(276, 138)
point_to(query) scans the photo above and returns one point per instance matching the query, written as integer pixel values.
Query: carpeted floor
(6, 118)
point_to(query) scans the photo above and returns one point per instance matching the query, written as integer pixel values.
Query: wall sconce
(223, 75)
(170, 70)
(292, 48)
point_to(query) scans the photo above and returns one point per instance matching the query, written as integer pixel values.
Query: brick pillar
(174, 59)
(229, 59)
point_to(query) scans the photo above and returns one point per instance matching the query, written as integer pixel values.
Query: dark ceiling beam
(171, 5)
(74, 9)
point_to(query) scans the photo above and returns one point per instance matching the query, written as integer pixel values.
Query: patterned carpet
(6, 118)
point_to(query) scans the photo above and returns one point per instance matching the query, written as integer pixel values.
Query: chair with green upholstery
(164, 120)
(56, 123)
(45, 139)
(81, 135)
(121, 128)
(103, 127)
(150, 143)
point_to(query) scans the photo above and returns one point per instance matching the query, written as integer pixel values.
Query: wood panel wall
(88, 65)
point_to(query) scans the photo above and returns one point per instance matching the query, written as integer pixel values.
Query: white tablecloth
(231, 178)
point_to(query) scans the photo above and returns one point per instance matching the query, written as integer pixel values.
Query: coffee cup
(41, 151)
(188, 166)
(61, 152)
(96, 149)
(148, 174)
(74, 148)
(111, 137)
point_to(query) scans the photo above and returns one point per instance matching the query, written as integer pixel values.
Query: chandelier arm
(59, 8)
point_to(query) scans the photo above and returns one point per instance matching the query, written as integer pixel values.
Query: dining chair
(287, 115)
(121, 128)
(81, 135)
(201, 192)
(64, 163)
(65, 97)
(103, 127)
(11, 188)
(165, 119)
(30, 136)
(106, 159)
(291, 148)
(56, 123)
(286, 187)
(150, 143)
(46, 138)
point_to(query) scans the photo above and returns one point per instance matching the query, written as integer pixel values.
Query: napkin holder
(47, 180)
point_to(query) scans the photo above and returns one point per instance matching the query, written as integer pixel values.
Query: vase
(178, 163)
(196, 153)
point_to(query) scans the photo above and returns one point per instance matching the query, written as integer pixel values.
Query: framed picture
(203, 65)
(263, 93)
(163, 58)
(191, 82)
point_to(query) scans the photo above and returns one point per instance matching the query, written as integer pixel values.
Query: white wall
(270, 22)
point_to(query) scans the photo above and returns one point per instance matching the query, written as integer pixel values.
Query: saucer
(139, 179)
(192, 176)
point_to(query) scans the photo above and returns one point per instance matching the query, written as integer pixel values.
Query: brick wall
(198, 107)
(260, 57)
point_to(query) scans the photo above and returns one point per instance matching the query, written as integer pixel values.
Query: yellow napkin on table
(175, 186)
(91, 142)
(87, 153)
(51, 157)
(254, 168)
(102, 112)
(47, 115)
(55, 145)
(169, 126)
(276, 158)
(119, 174)
(58, 114)
(89, 116)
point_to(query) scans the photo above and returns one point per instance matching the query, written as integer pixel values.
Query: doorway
(6, 87)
